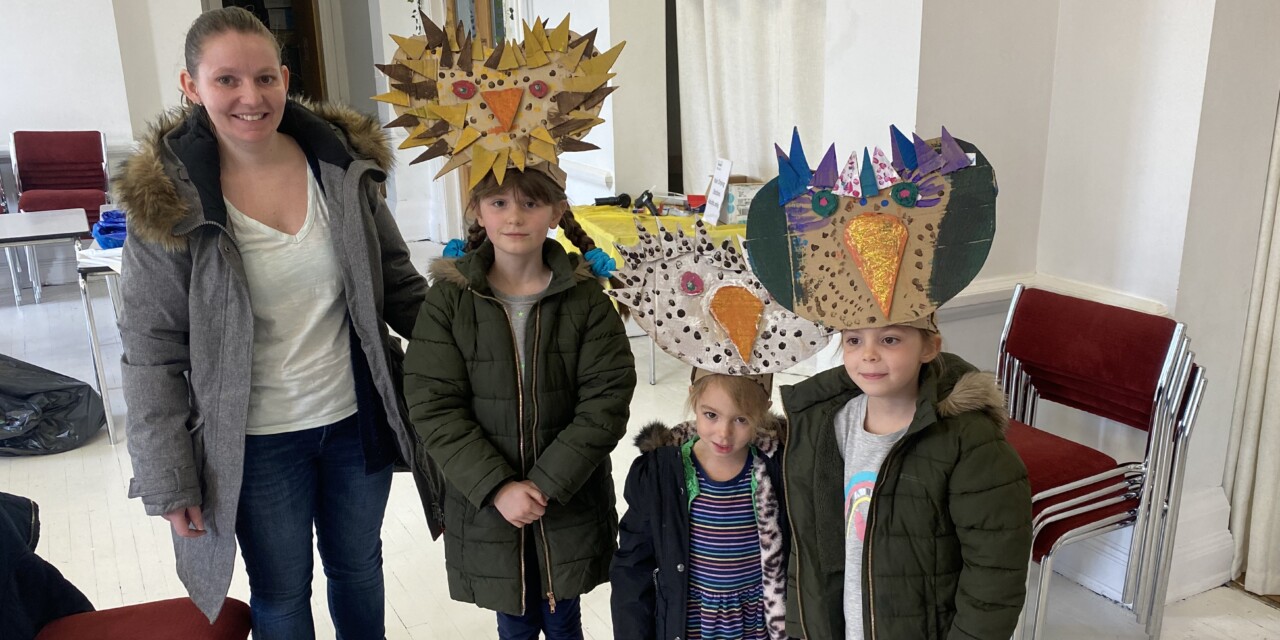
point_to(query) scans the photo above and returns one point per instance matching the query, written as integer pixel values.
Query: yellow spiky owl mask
(514, 106)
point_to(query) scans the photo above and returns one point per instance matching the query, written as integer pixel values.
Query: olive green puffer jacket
(949, 530)
(485, 426)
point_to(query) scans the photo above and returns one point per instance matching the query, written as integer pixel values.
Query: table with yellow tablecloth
(607, 225)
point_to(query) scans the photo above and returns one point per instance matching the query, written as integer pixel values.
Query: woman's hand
(187, 522)
(521, 503)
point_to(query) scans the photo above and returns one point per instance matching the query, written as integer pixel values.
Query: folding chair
(1125, 366)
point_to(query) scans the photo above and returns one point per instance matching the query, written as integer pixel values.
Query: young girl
(702, 549)
(703, 545)
(910, 513)
(519, 377)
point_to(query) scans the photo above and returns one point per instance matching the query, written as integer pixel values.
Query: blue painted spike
(827, 174)
(928, 159)
(953, 156)
(798, 161)
(904, 154)
(790, 184)
(868, 177)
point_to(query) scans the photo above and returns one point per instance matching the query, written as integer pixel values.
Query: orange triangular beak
(738, 311)
(505, 104)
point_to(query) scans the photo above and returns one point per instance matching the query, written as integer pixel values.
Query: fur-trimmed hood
(657, 434)
(976, 391)
(147, 184)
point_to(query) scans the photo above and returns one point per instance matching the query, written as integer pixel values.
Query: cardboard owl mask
(516, 106)
(880, 242)
(700, 302)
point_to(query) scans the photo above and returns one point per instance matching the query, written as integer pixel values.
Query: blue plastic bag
(110, 230)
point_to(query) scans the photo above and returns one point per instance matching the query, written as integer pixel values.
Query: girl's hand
(521, 503)
(187, 522)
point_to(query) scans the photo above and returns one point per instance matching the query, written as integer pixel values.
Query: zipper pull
(551, 601)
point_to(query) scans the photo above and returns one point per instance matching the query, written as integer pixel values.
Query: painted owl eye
(825, 203)
(691, 283)
(539, 89)
(464, 89)
(905, 193)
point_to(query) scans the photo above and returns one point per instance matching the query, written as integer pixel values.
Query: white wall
(639, 106)
(871, 58)
(151, 35)
(62, 69)
(1127, 88)
(986, 73)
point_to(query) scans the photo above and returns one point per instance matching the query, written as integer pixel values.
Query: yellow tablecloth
(607, 225)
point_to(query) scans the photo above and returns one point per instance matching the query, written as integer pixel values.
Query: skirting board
(57, 266)
(1201, 554)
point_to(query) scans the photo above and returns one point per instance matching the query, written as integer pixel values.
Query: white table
(28, 229)
(109, 270)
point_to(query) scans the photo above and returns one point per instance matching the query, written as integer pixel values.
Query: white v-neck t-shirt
(302, 375)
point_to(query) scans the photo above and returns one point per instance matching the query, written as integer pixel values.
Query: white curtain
(1253, 458)
(749, 72)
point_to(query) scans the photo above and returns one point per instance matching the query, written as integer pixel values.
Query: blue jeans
(564, 624)
(292, 480)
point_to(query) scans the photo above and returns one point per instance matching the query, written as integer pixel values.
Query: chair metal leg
(113, 291)
(96, 351)
(33, 267)
(14, 266)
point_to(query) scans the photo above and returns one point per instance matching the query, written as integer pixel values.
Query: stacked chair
(1133, 369)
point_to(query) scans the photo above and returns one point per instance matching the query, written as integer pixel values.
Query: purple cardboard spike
(826, 175)
(868, 178)
(928, 160)
(904, 155)
(790, 183)
(953, 156)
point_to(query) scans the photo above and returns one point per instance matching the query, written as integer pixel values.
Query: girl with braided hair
(519, 378)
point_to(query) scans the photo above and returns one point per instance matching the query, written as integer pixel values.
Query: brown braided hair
(539, 187)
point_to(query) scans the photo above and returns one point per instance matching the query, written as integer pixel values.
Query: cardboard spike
(904, 153)
(496, 57)
(598, 96)
(468, 136)
(542, 134)
(868, 176)
(825, 177)
(504, 104)
(559, 37)
(446, 57)
(954, 158)
(569, 126)
(790, 184)
(543, 149)
(885, 175)
(798, 161)
(586, 83)
(403, 120)
(426, 68)
(482, 161)
(434, 34)
(436, 130)
(424, 90)
(456, 114)
(452, 34)
(508, 61)
(465, 61)
(520, 59)
(567, 101)
(413, 140)
(552, 169)
(571, 59)
(518, 155)
(589, 39)
(603, 62)
(928, 159)
(434, 151)
(393, 97)
(453, 163)
(477, 49)
(397, 72)
(500, 164)
(411, 46)
(540, 33)
(423, 112)
(534, 55)
(574, 144)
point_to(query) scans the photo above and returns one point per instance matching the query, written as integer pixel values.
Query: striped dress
(726, 592)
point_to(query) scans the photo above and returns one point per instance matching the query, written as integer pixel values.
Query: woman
(261, 272)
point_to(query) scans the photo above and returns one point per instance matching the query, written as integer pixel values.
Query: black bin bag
(44, 412)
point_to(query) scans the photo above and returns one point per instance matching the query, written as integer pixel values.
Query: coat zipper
(546, 548)
(791, 522)
(868, 556)
(520, 422)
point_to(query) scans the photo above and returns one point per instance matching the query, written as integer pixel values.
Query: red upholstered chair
(163, 620)
(1131, 368)
(60, 170)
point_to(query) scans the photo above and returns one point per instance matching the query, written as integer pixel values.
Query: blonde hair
(749, 397)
